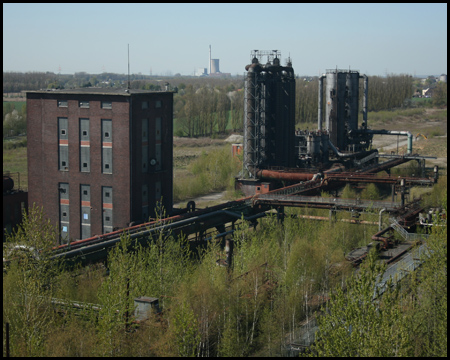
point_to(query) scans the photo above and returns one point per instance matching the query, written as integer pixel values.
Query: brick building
(99, 159)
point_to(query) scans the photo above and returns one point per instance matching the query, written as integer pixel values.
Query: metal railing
(375, 204)
(289, 190)
(367, 158)
(397, 271)
(405, 234)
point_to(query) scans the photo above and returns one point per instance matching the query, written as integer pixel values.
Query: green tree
(14, 123)
(371, 192)
(440, 95)
(7, 108)
(355, 325)
(30, 283)
(348, 192)
(94, 81)
(116, 296)
(429, 310)
(186, 330)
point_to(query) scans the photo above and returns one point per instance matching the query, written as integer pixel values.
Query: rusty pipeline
(283, 175)
(378, 237)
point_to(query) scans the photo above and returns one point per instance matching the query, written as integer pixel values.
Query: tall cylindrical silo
(341, 111)
(352, 100)
(270, 115)
(331, 106)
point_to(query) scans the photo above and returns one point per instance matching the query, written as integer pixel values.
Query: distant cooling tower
(215, 66)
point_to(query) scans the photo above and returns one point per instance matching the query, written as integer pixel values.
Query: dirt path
(202, 200)
(389, 142)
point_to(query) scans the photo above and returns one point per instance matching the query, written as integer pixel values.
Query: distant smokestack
(210, 59)
(128, 66)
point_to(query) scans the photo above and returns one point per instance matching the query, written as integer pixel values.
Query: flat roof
(98, 91)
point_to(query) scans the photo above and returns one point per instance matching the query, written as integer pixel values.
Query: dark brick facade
(127, 178)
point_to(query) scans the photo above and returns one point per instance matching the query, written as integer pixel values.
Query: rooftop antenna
(128, 66)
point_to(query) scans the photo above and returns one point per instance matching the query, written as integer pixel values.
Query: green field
(15, 160)
(17, 104)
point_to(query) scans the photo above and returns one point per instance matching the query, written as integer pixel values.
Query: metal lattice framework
(271, 54)
(254, 113)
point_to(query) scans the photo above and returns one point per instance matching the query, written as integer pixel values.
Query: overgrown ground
(430, 122)
(279, 274)
(208, 310)
(15, 160)
(202, 166)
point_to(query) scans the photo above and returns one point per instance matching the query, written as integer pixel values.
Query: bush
(371, 192)
(179, 133)
(348, 192)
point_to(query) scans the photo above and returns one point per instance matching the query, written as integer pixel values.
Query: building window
(84, 133)
(62, 103)
(107, 155)
(63, 131)
(63, 163)
(84, 104)
(64, 214)
(106, 194)
(145, 104)
(106, 105)
(158, 103)
(107, 218)
(85, 192)
(85, 165)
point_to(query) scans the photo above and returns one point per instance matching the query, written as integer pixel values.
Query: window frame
(106, 105)
(84, 104)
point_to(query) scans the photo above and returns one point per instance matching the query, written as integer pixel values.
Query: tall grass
(15, 143)
(15, 160)
(392, 115)
(212, 171)
(438, 115)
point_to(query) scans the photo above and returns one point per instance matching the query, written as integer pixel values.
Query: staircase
(404, 234)
(367, 158)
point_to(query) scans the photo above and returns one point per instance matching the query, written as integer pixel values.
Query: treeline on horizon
(211, 106)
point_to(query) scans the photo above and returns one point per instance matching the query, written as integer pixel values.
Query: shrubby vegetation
(252, 308)
(14, 121)
(410, 319)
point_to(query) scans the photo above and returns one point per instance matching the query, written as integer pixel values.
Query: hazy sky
(174, 38)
